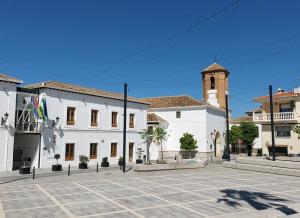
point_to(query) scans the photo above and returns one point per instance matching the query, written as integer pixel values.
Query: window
(150, 130)
(283, 131)
(113, 149)
(69, 151)
(212, 82)
(131, 120)
(285, 108)
(114, 119)
(178, 114)
(93, 150)
(94, 118)
(71, 116)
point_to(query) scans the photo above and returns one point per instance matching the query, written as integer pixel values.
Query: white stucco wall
(82, 134)
(199, 121)
(216, 120)
(8, 102)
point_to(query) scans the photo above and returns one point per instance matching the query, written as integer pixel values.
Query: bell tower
(215, 85)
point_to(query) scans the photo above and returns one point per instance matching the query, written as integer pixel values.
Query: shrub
(57, 156)
(83, 159)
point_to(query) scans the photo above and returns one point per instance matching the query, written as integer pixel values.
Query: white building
(8, 89)
(80, 121)
(205, 119)
(182, 114)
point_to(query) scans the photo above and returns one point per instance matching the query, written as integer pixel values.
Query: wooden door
(69, 152)
(131, 145)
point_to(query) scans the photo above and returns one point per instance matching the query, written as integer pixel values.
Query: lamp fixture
(55, 122)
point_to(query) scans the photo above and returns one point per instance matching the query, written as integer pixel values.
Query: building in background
(286, 117)
(205, 119)
(51, 118)
(8, 92)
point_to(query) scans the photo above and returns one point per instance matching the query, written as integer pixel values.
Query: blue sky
(103, 44)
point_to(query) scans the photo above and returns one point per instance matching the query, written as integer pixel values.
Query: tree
(160, 135)
(236, 134)
(147, 136)
(187, 142)
(296, 129)
(249, 134)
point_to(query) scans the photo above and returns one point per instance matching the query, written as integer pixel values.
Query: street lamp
(54, 123)
(4, 119)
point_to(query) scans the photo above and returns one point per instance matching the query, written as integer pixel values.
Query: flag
(44, 104)
(35, 112)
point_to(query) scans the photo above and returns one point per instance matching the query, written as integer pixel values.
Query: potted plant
(139, 154)
(24, 169)
(105, 162)
(121, 161)
(83, 161)
(56, 167)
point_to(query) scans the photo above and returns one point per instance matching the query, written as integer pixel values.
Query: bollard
(69, 170)
(33, 173)
(97, 167)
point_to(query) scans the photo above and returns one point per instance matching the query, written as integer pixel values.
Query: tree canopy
(187, 142)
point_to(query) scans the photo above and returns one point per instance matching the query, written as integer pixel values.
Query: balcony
(283, 116)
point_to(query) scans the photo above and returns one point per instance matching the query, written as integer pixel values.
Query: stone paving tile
(124, 193)
(49, 212)
(168, 212)
(141, 202)
(21, 204)
(55, 185)
(20, 195)
(64, 191)
(182, 197)
(158, 190)
(105, 187)
(17, 188)
(77, 198)
(213, 208)
(116, 215)
(91, 208)
(194, 187)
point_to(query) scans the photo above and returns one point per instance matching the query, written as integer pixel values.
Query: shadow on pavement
(257, 200)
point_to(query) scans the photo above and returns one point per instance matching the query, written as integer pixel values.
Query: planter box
(138, 161)
(104, 164)
(56, 167)
(83, 166)
(120, 163)
(172, 166)
(24, 170)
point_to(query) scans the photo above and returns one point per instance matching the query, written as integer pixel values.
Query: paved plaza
(210, 192)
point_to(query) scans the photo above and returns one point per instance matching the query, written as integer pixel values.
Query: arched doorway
(218, 145)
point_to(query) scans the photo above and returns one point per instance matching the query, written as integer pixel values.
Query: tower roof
(215, 67)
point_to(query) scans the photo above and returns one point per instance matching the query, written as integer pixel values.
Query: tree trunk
(162, 152)
(148, 153)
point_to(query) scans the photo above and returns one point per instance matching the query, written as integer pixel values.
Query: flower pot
(83, 166)
(138, 161)
(56, 167)
(24, 170)
(104, 164)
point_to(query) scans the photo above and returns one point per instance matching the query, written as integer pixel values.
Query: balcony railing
(283, 116)
(28, 127)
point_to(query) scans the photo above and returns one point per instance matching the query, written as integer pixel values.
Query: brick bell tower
(215, 85)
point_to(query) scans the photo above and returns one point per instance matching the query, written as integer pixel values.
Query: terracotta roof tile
(6, 78)
(173, 101)
(277, 96)
(153, 118)
(214, 67)
(81, 90)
